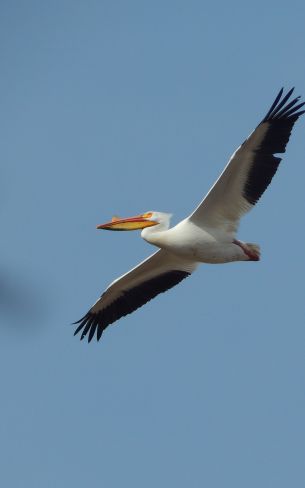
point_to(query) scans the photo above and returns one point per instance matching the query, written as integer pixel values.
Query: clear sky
(120, 107)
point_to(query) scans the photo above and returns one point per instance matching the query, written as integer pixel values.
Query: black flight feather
(127, 302)
(280, 120)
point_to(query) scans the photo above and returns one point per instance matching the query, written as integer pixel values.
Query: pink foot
(250, 250)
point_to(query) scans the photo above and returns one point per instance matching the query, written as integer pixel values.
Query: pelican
(208, 235)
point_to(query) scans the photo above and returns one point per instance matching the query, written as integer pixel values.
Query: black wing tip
(80, 320)
(280, 109)
(88, 325)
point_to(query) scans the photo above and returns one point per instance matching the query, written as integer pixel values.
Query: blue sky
(118, 108)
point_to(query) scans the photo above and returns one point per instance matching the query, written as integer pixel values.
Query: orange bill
(131, 223)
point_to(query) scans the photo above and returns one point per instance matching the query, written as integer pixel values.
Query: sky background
(115, 107)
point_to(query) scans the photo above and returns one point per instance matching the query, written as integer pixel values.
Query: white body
(200, 244)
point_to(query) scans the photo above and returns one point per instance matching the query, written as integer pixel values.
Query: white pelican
(208, 235)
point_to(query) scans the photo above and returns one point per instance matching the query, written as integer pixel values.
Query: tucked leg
(251, 250)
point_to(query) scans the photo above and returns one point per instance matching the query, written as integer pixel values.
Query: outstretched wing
(155, 275)
(251, 168)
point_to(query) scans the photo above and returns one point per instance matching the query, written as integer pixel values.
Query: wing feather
(153, 276)
(251, 168)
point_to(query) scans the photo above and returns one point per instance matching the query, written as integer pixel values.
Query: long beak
(131, 223)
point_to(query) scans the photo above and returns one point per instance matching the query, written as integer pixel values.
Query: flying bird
(208, 235)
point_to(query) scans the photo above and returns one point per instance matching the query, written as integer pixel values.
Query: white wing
(155, 275)
(250, 169)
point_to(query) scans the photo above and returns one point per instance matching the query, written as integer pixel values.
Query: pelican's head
(147, 219)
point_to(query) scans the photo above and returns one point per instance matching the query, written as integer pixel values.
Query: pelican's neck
(155, 235)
